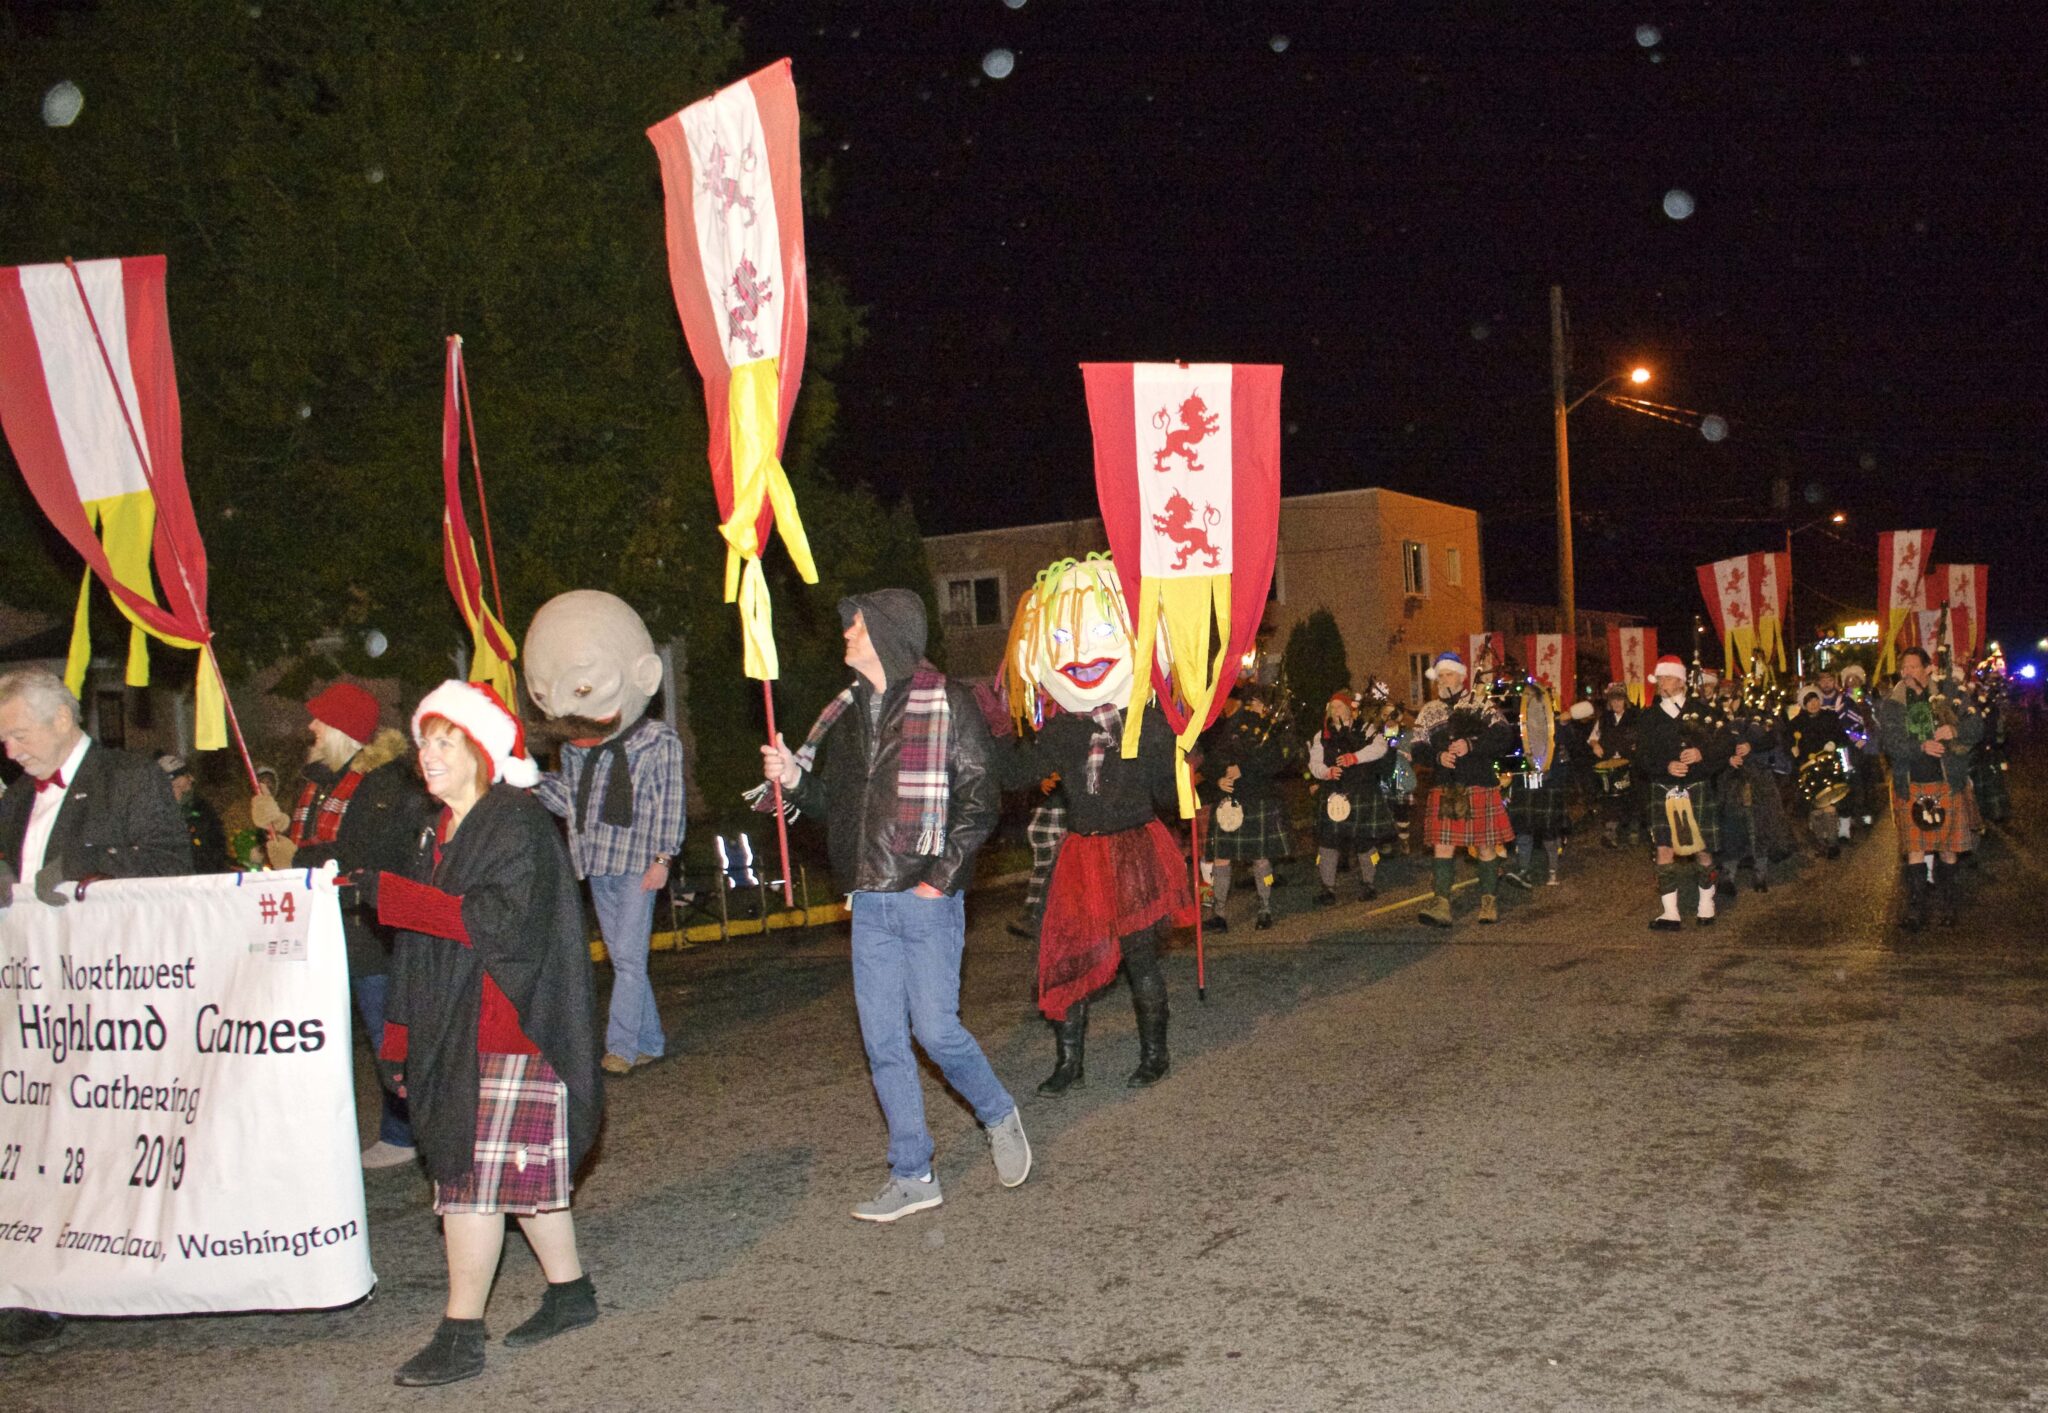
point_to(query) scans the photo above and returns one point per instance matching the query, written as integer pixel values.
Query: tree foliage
(1316, 664)
(338, 187)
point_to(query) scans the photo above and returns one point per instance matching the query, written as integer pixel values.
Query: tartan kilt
(1953, 837)
(1263, 835)
(1542, 813)
(1485, 827)
(521, 1165)
(1706, 810)
(1371, 822)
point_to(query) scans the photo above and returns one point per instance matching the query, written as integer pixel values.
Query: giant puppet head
(1071, 641)
(590, 664)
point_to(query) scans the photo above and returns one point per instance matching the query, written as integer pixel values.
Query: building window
(1454, 567)
(974, 601)
(1418, 685)
(1414, 568)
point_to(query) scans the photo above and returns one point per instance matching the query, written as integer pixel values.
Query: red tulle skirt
(1105, 887)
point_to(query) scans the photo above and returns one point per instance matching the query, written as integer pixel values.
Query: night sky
(1379, 197)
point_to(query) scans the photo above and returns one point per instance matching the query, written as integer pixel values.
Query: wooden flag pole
(483, 507)
(177, 560)
(775, 785)
(1195, 872)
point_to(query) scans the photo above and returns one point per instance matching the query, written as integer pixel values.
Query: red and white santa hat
(481, 714)
(1669, 666)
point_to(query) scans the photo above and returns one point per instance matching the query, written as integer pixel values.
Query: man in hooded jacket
(899, 768)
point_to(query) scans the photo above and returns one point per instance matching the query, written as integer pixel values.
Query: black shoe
(1761, 885)
(1018, 927)
(1665, 924)
(1518, 878)
(1724, 888)
(1265, 921)
(1216, 922)
(1070, 1041)
(1326, 897)
(1368, 892)
(455, 1353)
(1706, 922)
(568, 1305)
(28, 1332)
(1834, 851)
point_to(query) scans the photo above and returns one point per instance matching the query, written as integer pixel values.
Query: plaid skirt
(1706, 812)
(1987, 778)
(1485, 826)
(1953, 836)
(1541, 813)
(522, 1141)
(1371, 821)
(1263, 835)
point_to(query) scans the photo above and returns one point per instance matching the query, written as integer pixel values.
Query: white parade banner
(1182, 415)
(177, 1108)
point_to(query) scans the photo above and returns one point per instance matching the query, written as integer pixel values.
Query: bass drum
(1539, 731)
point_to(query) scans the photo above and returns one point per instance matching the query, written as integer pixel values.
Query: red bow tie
(54, 782)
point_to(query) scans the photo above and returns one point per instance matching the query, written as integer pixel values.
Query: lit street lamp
(1568, 614)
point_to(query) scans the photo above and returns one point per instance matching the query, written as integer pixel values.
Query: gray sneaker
(1010, 1149)
(899, 1198)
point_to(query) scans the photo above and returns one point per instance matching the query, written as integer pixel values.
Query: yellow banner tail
(1887, 658)
(1197, 613)
(487, 664)
(753, 408)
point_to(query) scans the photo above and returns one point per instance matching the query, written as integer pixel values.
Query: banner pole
(781, 821)
(1195, 877)
(177, 559)
(483, 508)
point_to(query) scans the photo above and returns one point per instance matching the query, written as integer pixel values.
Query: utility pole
(1567, 612)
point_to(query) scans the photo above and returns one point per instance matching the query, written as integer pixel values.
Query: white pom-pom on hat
(480, 714)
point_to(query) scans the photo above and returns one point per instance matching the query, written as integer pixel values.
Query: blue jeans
(395, 1127)
(906, 982)
(625, 914)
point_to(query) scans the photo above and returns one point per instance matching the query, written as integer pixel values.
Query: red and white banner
(1962, 587)
(1550, 659)
(1731, 602)
(1903, 557)
(731, 176)
(1631, 653)
(1485, 653)
(1771, 575)
(89, 402)
(1187, 472)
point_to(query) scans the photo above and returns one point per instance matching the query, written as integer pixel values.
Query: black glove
(46, 885)
(364, 881)
(391, 1074)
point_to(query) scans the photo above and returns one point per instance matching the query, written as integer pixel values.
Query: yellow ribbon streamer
(753, 407)
(1197, 613)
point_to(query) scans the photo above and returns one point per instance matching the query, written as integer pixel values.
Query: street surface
(1797, 1161)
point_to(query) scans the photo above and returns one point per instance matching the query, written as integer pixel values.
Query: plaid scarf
(1109, 731)
(308, 830)
(923, 786)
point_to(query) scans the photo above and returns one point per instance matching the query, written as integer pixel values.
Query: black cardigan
(524, 916)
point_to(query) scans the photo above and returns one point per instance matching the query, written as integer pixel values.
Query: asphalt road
(1792, 1162)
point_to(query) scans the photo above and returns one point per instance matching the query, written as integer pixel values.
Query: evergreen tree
(1315, 664)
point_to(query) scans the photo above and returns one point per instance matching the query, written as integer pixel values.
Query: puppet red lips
(1088, 674)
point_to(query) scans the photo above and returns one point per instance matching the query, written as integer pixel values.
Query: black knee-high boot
(1917, 889)
(1148, 999)
(1945, 892)
(1070, 1039)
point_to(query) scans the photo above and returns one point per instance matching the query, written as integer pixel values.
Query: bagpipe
(1697, 726)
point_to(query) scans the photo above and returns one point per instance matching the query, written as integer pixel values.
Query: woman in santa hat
(490, 1028)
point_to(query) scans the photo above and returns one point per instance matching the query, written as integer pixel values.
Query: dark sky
(1379, 196)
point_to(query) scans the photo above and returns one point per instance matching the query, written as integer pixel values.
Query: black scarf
(617, 809)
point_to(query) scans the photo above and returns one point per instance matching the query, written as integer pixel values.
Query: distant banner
(177, 1110)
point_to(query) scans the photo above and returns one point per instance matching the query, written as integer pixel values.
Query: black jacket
(524, 915)
(119, 819)
(1660, 737)
(379, 830)
(1256, 745)
(851, 785)
(1476, 767)
(1129, 794)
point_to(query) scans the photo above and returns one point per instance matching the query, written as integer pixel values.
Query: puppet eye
(1062, 636)
(1105, 630)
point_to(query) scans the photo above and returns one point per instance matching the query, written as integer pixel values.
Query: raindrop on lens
(1677, 204)
(375, 643)
(1867, 461)
(61, 104)
(1714, 427)
(1481, 332)
(1014, 4)
(1279, 43)
(305, 411)
(1649, 36)
(997, 63)
(374, 176)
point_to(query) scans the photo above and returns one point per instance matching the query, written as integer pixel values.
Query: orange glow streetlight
(1561, 410)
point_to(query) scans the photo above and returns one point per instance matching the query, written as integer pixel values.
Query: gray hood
(895, 620)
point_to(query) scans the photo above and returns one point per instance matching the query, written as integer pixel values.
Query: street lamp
(1568, 614)
(1838, 518)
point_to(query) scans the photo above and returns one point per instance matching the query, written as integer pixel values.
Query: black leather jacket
(852, 787)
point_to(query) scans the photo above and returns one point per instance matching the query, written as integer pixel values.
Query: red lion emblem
(1196, 422)
(723, 189)
(752, 292)
(1178, 525)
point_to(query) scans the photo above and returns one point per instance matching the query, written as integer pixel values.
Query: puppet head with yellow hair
(1070, 641)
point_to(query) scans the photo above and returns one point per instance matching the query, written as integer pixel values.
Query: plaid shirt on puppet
(654, 762)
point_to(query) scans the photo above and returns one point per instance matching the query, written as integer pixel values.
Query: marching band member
(1244, 762)
(1928, 736)
(1353, 761)
(1464, 736)
(1612, 741)
(1678, 745)
(1816, 738)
